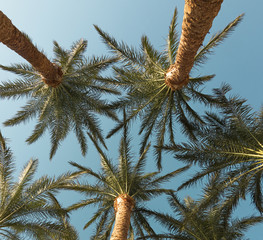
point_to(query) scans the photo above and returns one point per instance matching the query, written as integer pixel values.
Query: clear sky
(237, 61)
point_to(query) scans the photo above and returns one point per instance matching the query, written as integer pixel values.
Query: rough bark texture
(17, 41)
(123, 206)
(197, 20)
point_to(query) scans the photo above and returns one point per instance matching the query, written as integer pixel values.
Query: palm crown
(231, 143)
(126, 180)
(28, 208)
(148, 96)
(206, 218)
(72, 105)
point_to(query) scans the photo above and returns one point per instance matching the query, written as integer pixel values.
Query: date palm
(203, 219)
(197, 20)
(142, 75)
(120, 192)
(72, 105)
(232, 144)
(28, 209)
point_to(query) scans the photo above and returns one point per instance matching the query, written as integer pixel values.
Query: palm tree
(72, 105)
(142, 75)
(28, 208)
(232, 144)
(204, 219)
(50, 73)
(120, 193)
(197, 20)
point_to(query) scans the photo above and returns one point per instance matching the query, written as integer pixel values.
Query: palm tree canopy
(127, 178)
(72, 105)
(202, 219)
(28, 209)
(142, 75)
(231, 143)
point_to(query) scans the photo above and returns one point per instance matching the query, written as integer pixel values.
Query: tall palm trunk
(197, 20)
(19, 42)
(123, 206)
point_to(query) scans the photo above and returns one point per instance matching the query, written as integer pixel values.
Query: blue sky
(237, 61)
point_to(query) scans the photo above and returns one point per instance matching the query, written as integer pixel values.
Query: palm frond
(215, 40)
(172, 40)
(75, 55)
(125, 53)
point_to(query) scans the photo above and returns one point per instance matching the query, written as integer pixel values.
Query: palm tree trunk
(123, 206)
(19, 42)
(197, 20)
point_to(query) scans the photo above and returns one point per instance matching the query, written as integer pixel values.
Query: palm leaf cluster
(113, 181)
(142, 75)
(73, 105)
(28, 209)
(232, 144)
(203, 219)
